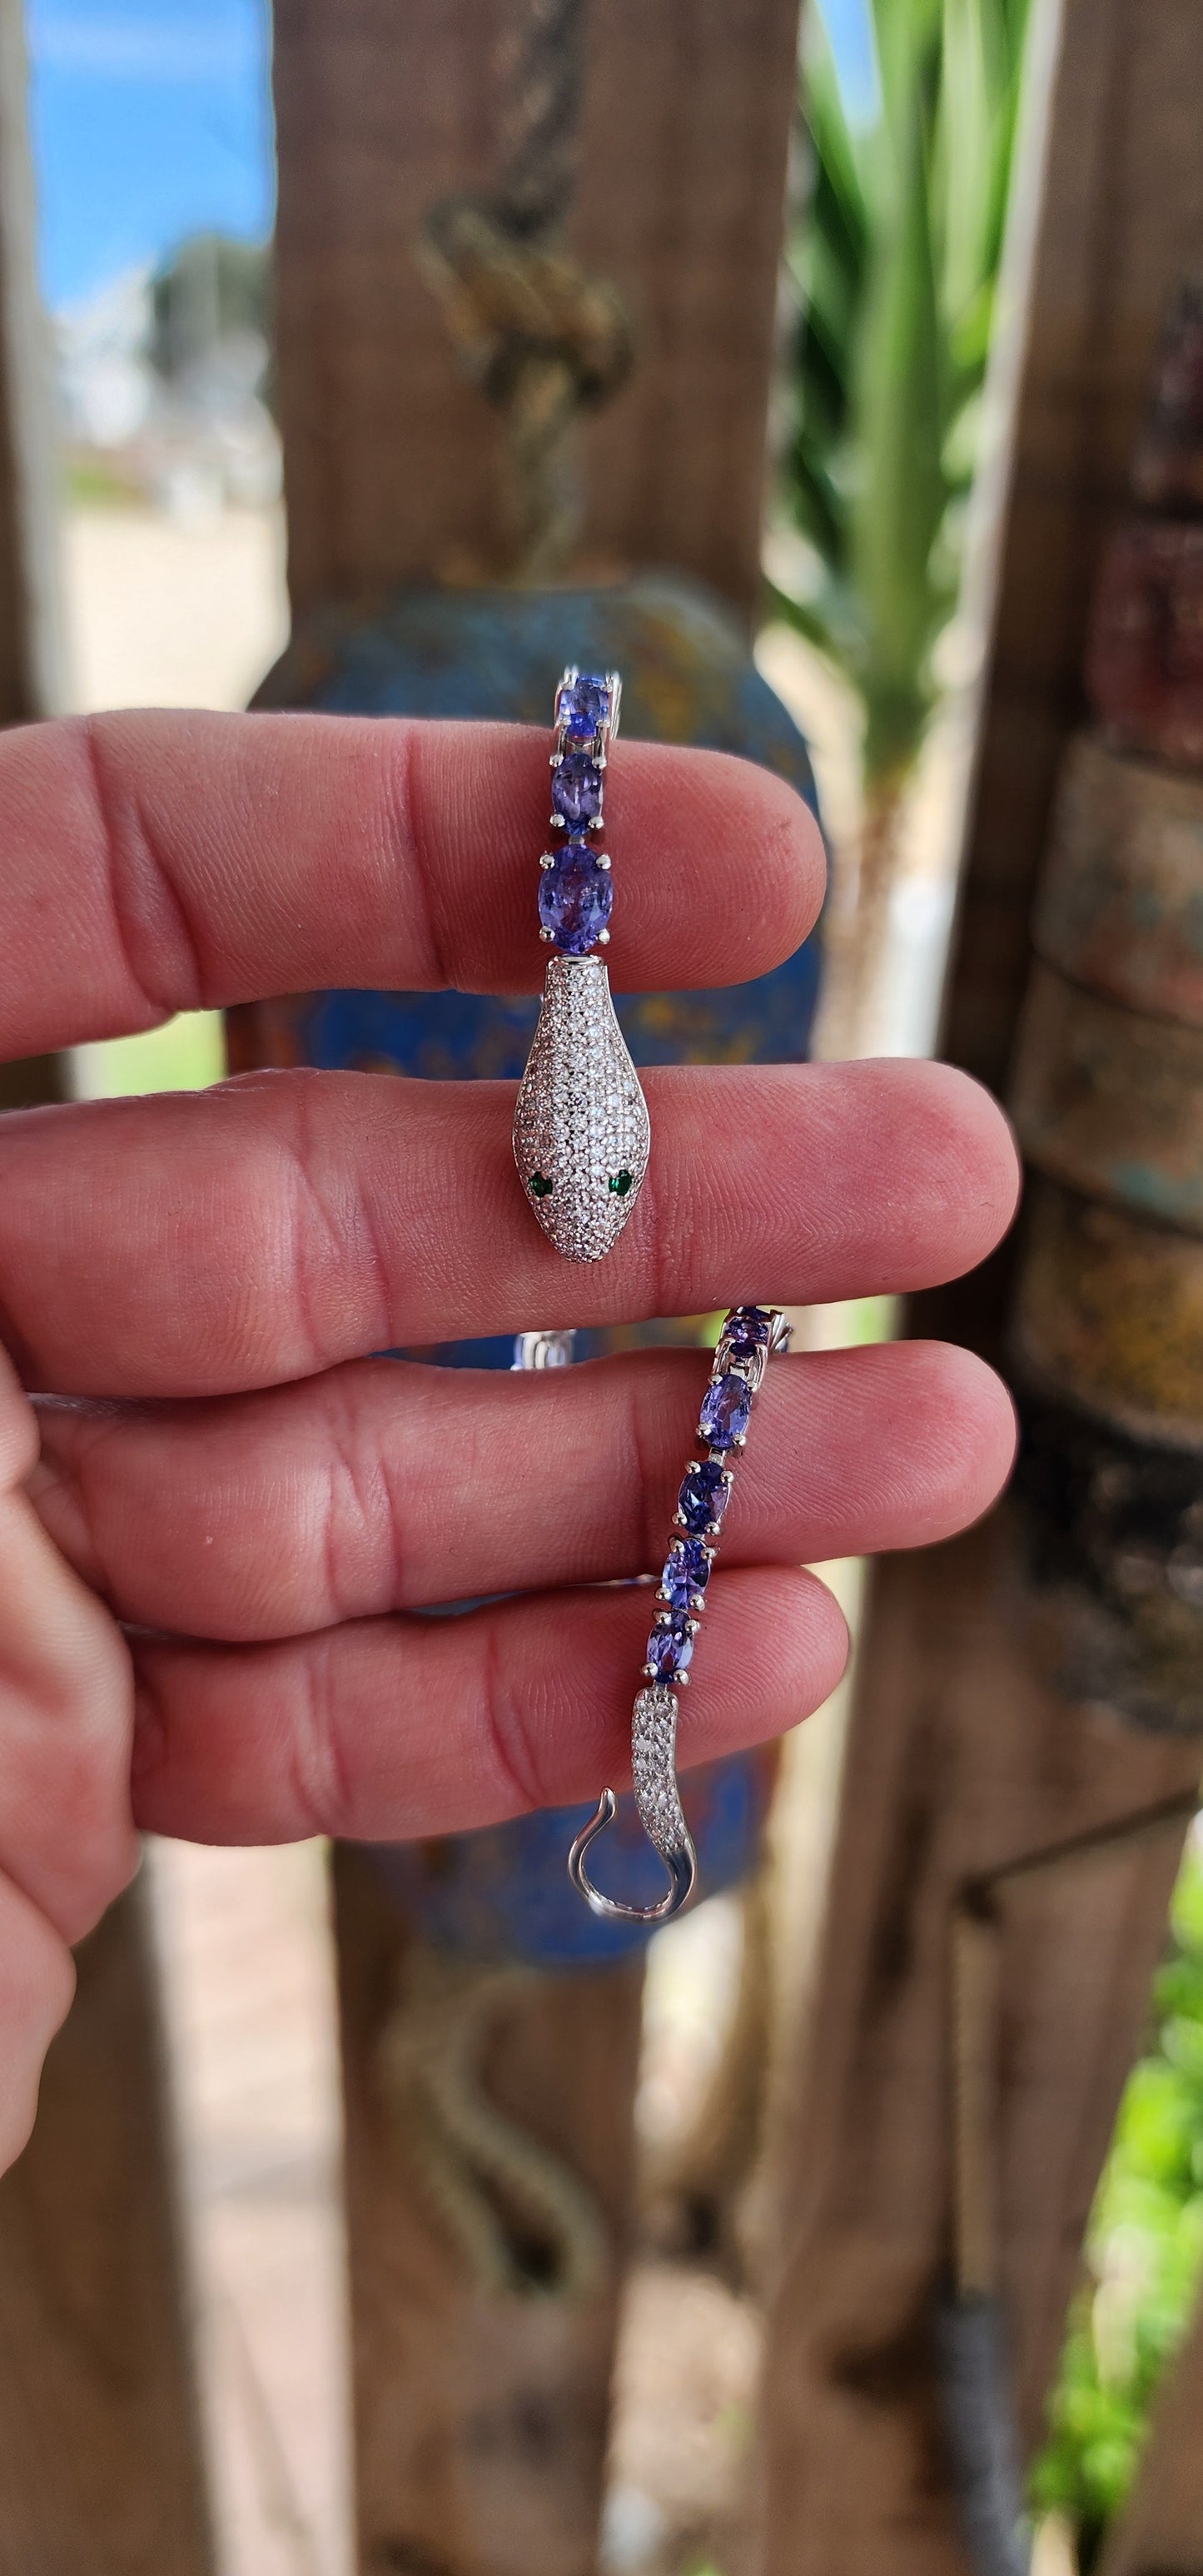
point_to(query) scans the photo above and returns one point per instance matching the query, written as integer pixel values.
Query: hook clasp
(681, 1863)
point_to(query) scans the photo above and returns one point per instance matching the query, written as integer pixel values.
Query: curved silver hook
(682, 1867)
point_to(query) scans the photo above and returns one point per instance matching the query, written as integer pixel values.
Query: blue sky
(151, 119)
(849, 27)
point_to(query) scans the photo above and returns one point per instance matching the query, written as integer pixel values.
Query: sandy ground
(163, 615)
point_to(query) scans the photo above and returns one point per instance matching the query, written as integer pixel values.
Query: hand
(192, 1287)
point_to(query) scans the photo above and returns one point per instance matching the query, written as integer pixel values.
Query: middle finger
(279, 1224)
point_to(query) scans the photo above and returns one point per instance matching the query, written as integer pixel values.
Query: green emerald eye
(620, 1183)
(541, 1187)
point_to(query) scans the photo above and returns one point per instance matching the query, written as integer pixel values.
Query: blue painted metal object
(505, 1892)
(687, 678)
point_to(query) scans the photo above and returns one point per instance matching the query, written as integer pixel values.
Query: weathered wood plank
(959, 1761)
(30, 623)
(99, 2446)
(30, 627)
(1161, 2533)
(481, 2414)
(99, 2443)
(1121, 222)
(390, 456)
(959, 1757)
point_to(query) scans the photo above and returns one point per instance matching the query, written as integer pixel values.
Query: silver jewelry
(581, 1131)
(750, 1336)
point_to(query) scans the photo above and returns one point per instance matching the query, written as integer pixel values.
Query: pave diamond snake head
(581, 1131)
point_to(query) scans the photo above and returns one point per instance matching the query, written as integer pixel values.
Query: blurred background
(898, 345)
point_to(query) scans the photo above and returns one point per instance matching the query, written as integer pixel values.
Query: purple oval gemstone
(576, 788)
(686, 1571)
(584, 706)
(575, 899)
(725, 1409)
(670, 1647)
(703, 1496)
(747, 1331)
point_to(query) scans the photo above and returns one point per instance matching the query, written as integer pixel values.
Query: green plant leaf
(896, 262)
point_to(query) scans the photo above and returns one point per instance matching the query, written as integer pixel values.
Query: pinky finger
(387, 1729)
(37, 1982)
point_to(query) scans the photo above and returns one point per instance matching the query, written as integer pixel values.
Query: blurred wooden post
(99, 2443)
(30, 625)
(960, 1758)
(480, 2418)
(390, 456)
(99, 2447)
(481, 2429)
(1160, 2532)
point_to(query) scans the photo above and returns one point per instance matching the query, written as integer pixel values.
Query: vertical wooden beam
(688, 117)
(481, 2421)
(99, 2447)
(30, 621)
(390, 456)
(959, 1757)
(1161, 2531)
(959, 1761)
(1121, 223)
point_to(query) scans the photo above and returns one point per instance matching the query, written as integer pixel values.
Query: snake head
(581, 1129)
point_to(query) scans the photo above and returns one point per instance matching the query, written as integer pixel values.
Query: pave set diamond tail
(749, 1337)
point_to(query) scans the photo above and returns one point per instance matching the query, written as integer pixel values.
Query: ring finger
(381, 1487)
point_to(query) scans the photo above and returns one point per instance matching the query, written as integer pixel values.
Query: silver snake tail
(749, 1337)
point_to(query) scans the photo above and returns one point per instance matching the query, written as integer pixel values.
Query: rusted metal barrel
(1145, 666)
(1120, 909)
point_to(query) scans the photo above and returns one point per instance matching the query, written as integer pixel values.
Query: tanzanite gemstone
(576, 789)
(747, 1331)
(686, 1571)
(703, 1496)
(584, 706)
(670, 1646)
(725, 1409)
(575, 898)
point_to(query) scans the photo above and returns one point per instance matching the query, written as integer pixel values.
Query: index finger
(156, 863)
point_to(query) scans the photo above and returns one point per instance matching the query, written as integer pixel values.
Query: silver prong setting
(581, 1119)
(752, 1331)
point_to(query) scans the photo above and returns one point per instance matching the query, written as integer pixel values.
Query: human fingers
(280, 1224)
(385, 1486)
(186, 861)
(390, 1728)
(66, 1840)
(37, 1981)
(66, 1710)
